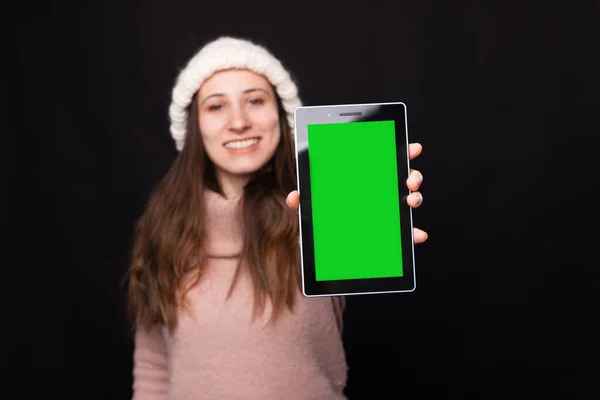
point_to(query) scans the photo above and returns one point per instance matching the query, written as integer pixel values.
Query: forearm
(150, 366)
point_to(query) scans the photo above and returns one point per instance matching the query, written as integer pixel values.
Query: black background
(501, 94)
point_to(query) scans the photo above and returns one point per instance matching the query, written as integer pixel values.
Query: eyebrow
(245, 92)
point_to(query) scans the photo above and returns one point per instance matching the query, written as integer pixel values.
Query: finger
(415, 199)
(419, 236)
(414, 149)
(413, 182)
(292, 200)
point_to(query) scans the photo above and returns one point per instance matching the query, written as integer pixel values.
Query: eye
(257, 101)
(214, 107)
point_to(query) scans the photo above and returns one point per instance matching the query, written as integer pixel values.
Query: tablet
(356, 231)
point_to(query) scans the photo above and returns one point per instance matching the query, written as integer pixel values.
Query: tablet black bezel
(353, 113)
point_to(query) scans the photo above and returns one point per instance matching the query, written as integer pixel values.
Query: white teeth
(241, 144)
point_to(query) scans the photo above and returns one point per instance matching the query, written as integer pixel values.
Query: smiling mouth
(241, 144)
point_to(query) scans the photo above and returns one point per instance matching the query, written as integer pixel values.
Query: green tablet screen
(355, 201)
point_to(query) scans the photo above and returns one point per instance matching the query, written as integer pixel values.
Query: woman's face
(239, 122)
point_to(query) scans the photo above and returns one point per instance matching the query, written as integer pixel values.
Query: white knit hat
(227, 53)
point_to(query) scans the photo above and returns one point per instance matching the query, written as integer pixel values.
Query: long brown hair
(170, 233)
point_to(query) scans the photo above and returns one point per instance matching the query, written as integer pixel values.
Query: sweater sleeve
(150, 366)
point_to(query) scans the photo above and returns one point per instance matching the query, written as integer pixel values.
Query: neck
(232, 186)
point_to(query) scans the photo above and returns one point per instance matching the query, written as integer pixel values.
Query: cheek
(273, 131)
(269, 121)
(209, 130)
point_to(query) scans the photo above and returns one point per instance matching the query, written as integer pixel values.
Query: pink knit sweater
(217, 352)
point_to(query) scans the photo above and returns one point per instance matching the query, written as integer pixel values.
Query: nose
(239, 120)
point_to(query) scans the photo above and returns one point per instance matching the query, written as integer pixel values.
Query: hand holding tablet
(356, 193)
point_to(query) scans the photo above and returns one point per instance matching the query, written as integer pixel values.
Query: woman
(214, 284)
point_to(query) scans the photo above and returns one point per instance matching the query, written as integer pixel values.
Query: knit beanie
(221, 54)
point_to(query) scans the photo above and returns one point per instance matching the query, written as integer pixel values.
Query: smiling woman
(214, 289)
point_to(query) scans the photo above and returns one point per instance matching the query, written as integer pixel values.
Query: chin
(243, 168)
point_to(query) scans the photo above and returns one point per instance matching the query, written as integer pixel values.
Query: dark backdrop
(501, 95)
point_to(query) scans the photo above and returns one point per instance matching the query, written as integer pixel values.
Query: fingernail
(416, 180)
